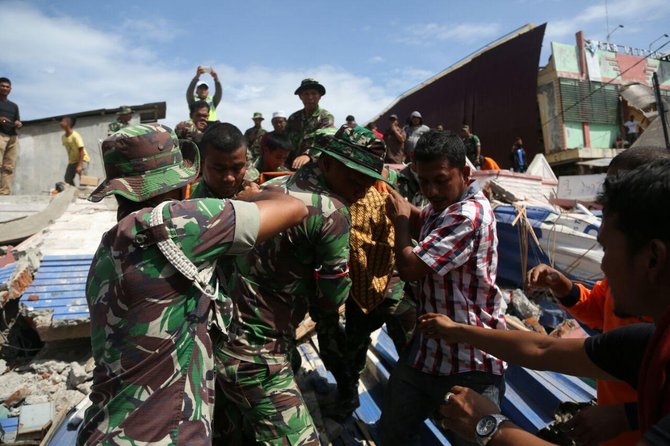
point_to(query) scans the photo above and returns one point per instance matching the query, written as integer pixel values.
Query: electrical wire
(562, 113)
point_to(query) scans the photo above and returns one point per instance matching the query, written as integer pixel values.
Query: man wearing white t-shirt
(632, 126)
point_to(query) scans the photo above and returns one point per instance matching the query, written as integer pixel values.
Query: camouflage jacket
(306, 266)
(153, 380)
(115, 126)
(253, 136)
(187, 130)
(408, 186)
(202, 190)
(298, 125)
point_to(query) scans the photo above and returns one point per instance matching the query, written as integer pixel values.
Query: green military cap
(257, 115)
(124, 110)
(146, 160)
(311, 84)
(356, 147)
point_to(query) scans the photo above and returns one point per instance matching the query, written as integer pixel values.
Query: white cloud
(376, 59)
(70, 66)
(430, 33)
(592, 19)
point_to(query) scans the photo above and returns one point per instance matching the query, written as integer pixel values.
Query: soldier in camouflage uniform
(194, 127)
(306, 121)
(376, 297)
(254, 136)
(408, 184)
(123, 117)
(225, 171)
(150, 291)
(305, 268)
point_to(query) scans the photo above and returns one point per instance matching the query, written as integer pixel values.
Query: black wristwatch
(487, 427)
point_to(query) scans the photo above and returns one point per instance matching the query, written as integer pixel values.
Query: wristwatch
(487, 427)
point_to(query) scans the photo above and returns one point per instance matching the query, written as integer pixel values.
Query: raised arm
(191, 87)
(218, 93)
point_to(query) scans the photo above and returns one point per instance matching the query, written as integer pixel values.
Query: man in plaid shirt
(455, 264)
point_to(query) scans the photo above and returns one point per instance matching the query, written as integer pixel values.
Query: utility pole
(660, 107)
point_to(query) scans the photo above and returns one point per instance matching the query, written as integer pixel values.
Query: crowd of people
(226, 240)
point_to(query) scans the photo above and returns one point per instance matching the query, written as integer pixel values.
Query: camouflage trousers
(343, 352)
(263, 402)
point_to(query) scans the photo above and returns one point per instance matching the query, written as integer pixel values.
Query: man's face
(64, 123)
(442, 184)
(224, 172)
(125, 118)
(274, 159)
(349, 184)
(199, 118)
(257, 122)
(465, 133)
(279, 124)
(621, 269)
(202, 92)
(310, 98)
(416, 121)
(5, 88)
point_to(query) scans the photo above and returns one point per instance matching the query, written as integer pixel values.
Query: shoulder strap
(183, 264)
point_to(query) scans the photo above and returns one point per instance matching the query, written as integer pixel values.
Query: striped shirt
(460, 245)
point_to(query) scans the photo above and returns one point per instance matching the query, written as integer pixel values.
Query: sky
(67, 56)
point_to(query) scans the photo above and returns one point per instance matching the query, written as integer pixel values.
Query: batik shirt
(306, 266)
(460, 245)
(298, 125)
(153, 380)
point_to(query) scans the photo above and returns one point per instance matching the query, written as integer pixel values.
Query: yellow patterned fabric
(371, 241)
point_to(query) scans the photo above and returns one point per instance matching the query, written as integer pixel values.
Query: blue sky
(71, 56)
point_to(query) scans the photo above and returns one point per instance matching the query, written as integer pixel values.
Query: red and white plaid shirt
(460, 245)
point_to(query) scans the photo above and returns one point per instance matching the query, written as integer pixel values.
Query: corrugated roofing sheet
(59, 285)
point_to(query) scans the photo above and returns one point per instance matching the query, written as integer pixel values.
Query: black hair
(197, 105)
(638, 198)
(72, 119)
(633, 158)
(350, 118)
(5, 80)
(221, 136)
(274, 142)
(437, 145)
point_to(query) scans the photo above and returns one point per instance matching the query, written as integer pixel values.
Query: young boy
(274, 153)
(77, 155)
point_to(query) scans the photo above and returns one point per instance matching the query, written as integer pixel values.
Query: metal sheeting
(495, 93)
(59, 285)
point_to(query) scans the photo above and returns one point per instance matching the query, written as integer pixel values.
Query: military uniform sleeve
(247, 224)
(207, 228)
(332, 256)
(449, 246)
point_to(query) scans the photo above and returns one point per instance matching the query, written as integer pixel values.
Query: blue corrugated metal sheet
(6, 271)
(531, 396)
(59, 285)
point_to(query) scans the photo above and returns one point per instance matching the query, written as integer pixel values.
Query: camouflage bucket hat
(357, 148)
(311, 84)
(125, 110)
(145, 160)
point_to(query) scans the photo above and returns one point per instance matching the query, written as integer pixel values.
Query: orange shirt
(595, 309)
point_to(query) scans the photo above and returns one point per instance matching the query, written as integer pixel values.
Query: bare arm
(527, 349)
